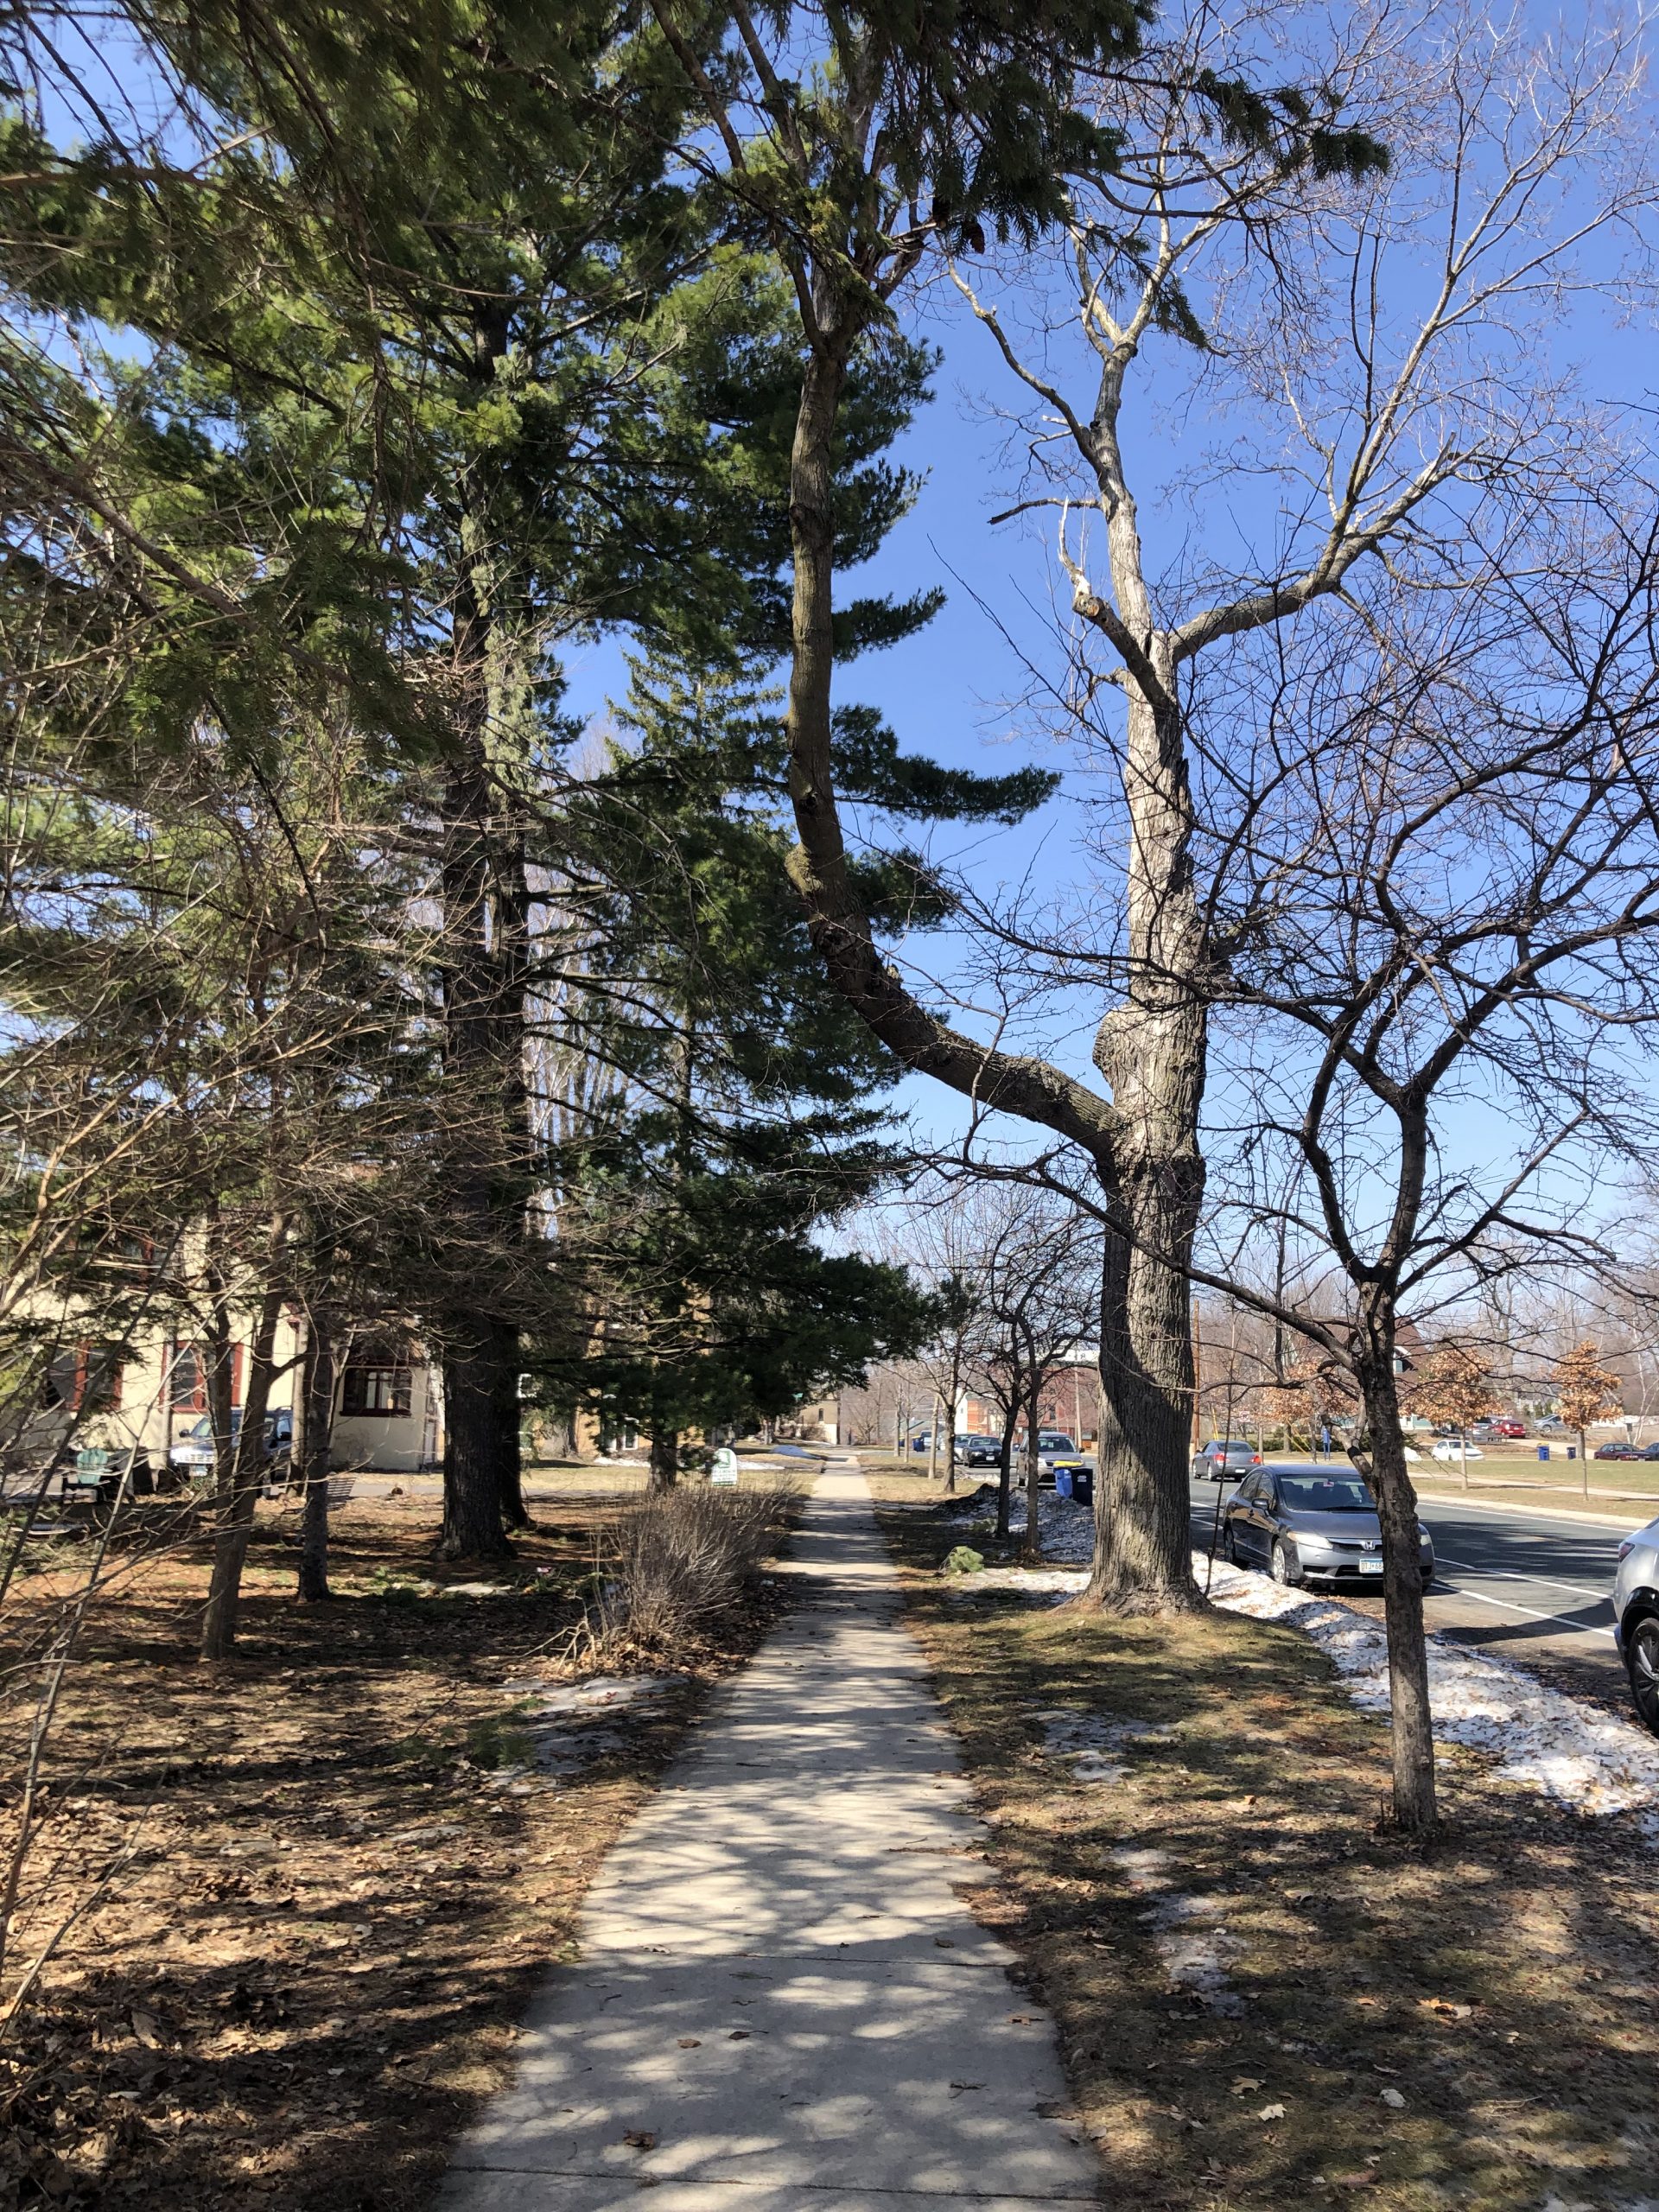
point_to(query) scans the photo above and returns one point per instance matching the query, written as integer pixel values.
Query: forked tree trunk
(235, 1512)
(1151, 1049)
(313, 1440)
(1410, 1725)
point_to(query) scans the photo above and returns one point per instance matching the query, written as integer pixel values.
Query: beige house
(388, 1400)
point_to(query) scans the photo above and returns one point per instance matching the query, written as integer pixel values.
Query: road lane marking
(1514, 1575)
(1506, 1605)
(1455, 1504)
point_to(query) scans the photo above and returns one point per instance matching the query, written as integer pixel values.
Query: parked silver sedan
(1635, 1618)
(1311, 1524)
(1222, 1456)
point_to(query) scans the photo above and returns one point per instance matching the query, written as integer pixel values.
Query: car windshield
(1324, 1494)
(1234, 1446)
(1054, 1438)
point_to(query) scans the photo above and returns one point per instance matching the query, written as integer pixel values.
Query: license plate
(1371, 1567)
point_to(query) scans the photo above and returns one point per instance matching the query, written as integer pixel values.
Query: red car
(1510, 1428)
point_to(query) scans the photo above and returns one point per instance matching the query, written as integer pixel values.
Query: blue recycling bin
(1544, 1451)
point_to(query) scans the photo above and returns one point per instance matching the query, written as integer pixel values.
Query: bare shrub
(680, 1560)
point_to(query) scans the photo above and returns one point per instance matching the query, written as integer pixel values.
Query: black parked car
(979, 1451)
(1304, 1524)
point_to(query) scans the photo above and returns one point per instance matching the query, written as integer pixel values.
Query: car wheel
(1642, 1658)
(1286, 1567)
(1230, 1545)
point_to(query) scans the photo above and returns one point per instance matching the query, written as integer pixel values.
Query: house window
(375, 1381)
(84, 1380)
(186, 1381)
(100, 1379)
(62, 1386)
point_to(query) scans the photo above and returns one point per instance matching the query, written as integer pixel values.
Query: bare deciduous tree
(1446, 904)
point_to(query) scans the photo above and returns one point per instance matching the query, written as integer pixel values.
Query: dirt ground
(1469, 2023)
(340, 1885)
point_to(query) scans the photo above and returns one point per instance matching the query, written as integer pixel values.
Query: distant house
(388, 1399)
(818, 1423)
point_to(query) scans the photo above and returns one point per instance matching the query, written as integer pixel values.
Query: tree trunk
(1005, 1467)
(664, 1459)
(235, 1512)
(219, 1378)
(1403, 1585)
(313, 1440)
(1032, 1548)
(1143, 1544)
(951, 1430)
(472, 1446)
(486, 907)
(1151, 1050)
(510, 1446)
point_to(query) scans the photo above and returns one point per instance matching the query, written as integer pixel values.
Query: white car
(1455, 1454)
(195, 1450)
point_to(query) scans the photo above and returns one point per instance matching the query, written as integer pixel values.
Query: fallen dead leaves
(315, 1965)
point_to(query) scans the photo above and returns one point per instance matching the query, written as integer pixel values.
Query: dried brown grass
(682, 1560)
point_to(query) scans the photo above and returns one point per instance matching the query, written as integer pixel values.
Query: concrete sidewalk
(781, 2004)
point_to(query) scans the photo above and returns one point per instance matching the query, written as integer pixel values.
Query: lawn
(1519, 1473)
(338, 1894)
(1469, 2023)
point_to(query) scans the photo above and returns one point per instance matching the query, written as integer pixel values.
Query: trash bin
(1076, 1482)
(1571, 1451)
(1544, 1451)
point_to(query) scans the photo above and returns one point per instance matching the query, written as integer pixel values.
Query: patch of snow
(601, 1691)
(1573, 1752)
(1192, 1943)
(1092, 1743)
(1066, 1530)
(1052, 1582)
(566, 1721)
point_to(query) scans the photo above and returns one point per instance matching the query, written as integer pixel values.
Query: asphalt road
(1534, 1584)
